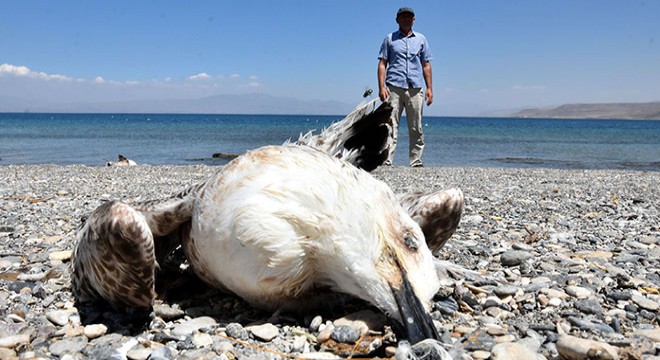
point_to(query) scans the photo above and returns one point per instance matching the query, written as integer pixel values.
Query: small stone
(505, 339)
(11, 354)
(552, 293)
(325, 334)
(162, 352)
(555, 301)
(462, 329)
(188, 327)
(495, 330)
(12, 341)
(651, 334)
(345, 334)
(506, 290)
(265, 332)
(31, 277)
(579, 292)
(589, 306)
(571, 347)
(52, 239)
(531, 342)
(492, 301)
(479, 340)
(299, 343)
(58, 317)
(237, 331)
(512, 351)
(362, 321)
(315, 323)
(95, 330)
(645, 303)
(202, 340)
(514, 257)
(67, 346)
(580, 323)
(619, 295)
(63, 255)
(167, 312)
(139, 353)
(16, 318)
(480, 355)
(72, 331)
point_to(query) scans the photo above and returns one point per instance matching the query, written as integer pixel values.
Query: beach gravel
(551, 263)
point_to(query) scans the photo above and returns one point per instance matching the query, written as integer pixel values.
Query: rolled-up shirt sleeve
(384, 49)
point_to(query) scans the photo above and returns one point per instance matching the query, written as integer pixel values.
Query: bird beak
(417, 323)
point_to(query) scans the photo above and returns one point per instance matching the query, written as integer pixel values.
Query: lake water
(176, 139)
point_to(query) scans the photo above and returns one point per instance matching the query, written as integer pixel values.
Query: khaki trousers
(412, 100)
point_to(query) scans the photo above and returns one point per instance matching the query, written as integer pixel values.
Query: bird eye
(409, 241)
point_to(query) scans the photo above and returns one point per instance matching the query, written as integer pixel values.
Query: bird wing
(114, 258)
(437, 213)
(361, 138)
(120, 246)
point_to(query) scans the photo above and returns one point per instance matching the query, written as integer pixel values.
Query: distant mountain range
(262, 104)
(218, 104)
(625, 111)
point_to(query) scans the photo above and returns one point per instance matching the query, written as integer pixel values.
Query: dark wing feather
(361, 138)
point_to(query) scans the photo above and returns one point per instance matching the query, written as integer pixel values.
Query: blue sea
(180, 139)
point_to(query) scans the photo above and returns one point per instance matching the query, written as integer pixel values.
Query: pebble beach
(545, 264)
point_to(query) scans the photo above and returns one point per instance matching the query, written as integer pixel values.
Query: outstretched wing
(119, 248)
(361, 138)
(438, 214)
(114, 258)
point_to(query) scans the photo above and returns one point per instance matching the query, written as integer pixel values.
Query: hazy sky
(487, 55)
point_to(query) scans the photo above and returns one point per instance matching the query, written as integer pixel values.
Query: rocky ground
(554, 264)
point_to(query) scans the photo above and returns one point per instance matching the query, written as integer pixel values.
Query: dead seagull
(279, 227)
(120, 247)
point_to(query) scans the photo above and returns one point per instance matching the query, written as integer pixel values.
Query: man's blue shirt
(405, 56)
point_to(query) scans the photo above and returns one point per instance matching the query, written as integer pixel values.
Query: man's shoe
(417, 165)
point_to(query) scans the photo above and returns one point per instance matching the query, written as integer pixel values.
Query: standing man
(403, 62)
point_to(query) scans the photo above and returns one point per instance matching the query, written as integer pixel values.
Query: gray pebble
(514, 257)
(505, 290)
(236, 331)
(67, 346)
(344, 334)
(589, 306)
(167, 312)
(315, 323)
(186, 328)
(479, 340)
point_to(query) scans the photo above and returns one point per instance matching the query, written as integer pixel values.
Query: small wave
(538, 161)
(573, 164)
(639, 165)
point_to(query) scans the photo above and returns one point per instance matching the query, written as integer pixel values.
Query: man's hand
(429, 97)
(383, 93)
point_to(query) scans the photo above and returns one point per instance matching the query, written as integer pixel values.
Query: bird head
(406, 265)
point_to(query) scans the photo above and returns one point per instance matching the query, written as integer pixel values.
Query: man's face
(405, 20)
